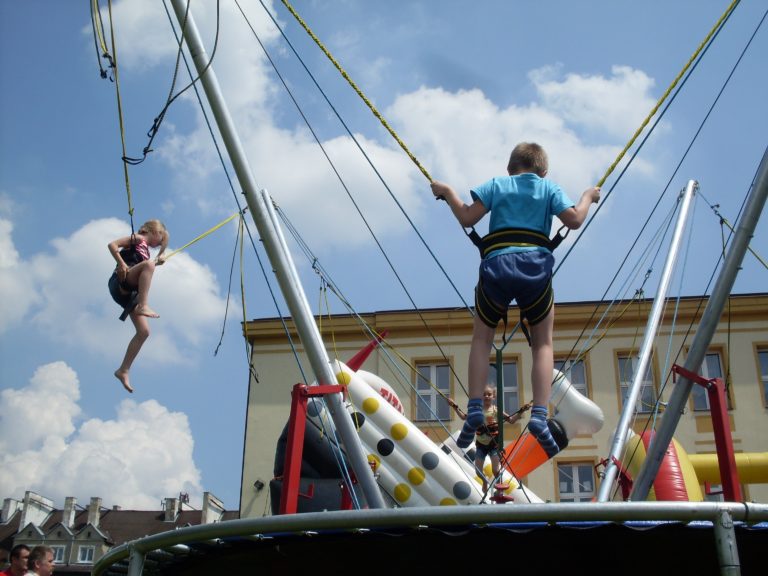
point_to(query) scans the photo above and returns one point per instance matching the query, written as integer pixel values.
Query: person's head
(19, 555)
(156, 233)
(40, 560)
(528, 157)
(489, 394)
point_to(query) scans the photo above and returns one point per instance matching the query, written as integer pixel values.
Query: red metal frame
(294, 449)
(718, 407)
(624, 479)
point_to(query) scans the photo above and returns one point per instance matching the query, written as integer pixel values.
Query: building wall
(742, 330)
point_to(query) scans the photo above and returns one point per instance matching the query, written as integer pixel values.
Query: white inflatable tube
(384, 389)
(404, 450)
(574, 411)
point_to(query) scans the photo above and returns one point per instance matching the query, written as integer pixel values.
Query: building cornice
(446, 322)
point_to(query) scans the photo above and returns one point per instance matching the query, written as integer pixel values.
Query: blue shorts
(483, 450)
(122, 296)
(525, 277)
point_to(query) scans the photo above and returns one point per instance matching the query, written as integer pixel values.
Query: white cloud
(65, 292)
(613, 106)
(145, 40)
(17, 288)
(135, 460)
(46, 407)
(461, 137)
(466, 138)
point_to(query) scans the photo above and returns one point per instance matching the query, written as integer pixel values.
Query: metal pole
(500, 398)
(725, 541)
(296, 299)
(135, 562)
(620, 438)
(350, 520)
(709, 321)
(278, 255)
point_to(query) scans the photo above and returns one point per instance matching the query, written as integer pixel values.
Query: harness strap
(515, 237)
(488, 430)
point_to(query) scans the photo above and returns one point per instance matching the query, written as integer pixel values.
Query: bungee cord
(712, 34)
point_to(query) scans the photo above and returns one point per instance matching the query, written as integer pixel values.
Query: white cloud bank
(135, 460)
(461, 137)
(64, 292)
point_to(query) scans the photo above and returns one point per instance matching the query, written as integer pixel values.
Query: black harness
(519, 237)
(515, 237)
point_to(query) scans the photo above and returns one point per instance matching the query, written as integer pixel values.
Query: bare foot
(123, 377)
(145, 310)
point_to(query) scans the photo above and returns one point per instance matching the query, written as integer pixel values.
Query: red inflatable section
(670, 482)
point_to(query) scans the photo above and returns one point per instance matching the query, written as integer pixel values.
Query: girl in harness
(130, 282)
(486, 434)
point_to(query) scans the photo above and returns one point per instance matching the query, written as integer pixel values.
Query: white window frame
(646, 401)
(708, 371)
(511, 384)
(582, 488)
(576, 372)
(713, 493)
(762, 363)
(88, 551)
(429, 405)
(59, 552)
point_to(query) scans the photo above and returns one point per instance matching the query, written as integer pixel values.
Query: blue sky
(461, 85)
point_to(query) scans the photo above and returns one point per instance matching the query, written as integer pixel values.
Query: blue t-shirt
(523, 201)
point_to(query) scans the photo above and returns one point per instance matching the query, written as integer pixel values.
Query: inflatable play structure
(681, 475)
(410, 468)
(574, 414)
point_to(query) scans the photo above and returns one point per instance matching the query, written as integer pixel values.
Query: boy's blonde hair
(156, 226)
(528, 157)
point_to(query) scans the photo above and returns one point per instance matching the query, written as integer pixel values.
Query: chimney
(213, 509)
(36, 509)
(94, 511)
(10, 507)
(171, 509)
(68, 515)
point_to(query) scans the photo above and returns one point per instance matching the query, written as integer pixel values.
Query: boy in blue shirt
(517, 265)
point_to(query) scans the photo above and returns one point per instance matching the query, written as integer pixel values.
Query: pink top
(142, 248)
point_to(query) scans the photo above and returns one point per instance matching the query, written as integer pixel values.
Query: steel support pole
(654, 319)
(709, 321)
(725, 542)
(135, 562)
(280, 259)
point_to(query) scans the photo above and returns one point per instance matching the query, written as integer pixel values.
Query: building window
(58, 554)
(576, 481)
(762, 359)
(85, 554)
(646, 400)
(576, 372)
(511, 389)
(711, 367)
(432, 389)
(713, 492)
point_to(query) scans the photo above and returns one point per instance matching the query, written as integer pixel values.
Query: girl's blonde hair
(156, 225)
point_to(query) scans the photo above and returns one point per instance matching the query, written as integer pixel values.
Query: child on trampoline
(521, 203)
(487, 434)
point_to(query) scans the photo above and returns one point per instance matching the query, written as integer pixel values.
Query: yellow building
(435, 344)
